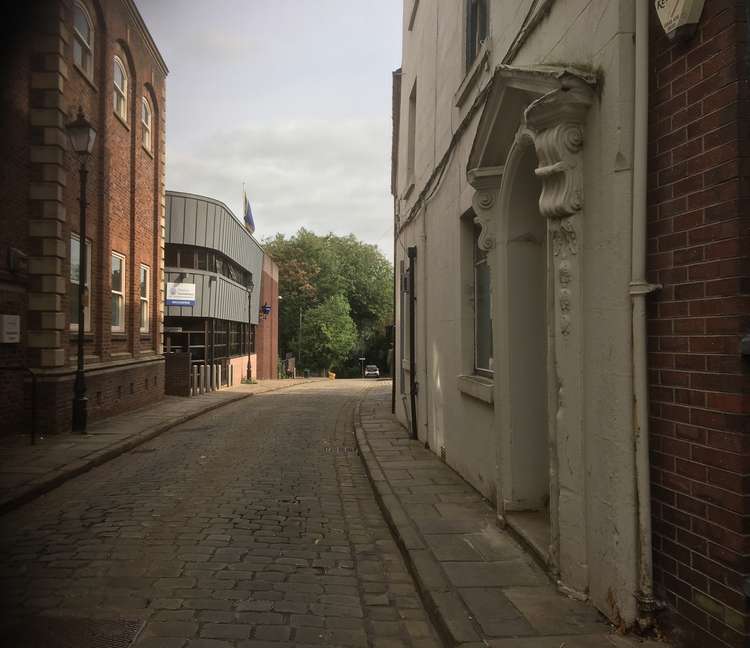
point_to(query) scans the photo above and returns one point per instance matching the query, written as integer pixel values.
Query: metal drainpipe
(639, 289)
(412, 253)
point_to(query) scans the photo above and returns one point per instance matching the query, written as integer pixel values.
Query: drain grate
(71, 632)
(340, 450)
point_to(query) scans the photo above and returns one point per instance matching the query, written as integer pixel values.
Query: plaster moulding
(679, 18)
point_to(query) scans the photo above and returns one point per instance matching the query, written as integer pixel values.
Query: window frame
(477, 29)
(479, 258)
(146, 299)
(146, 125)
(118, 92)
(87, 47)
(87, 307)
(120, 327)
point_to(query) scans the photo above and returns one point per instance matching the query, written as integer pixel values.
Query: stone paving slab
(27, 471)
(479, 585)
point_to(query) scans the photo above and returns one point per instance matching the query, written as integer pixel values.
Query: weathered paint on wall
(593, 511)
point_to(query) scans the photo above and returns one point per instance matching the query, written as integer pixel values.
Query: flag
(248, 213)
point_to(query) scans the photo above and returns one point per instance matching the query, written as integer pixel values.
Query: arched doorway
(527, 317)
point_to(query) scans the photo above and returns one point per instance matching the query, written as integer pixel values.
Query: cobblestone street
(250, 526)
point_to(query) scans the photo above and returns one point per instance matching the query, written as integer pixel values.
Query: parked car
(372, 371)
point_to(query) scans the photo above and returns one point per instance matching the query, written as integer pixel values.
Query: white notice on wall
(677, 15)
(180, 294)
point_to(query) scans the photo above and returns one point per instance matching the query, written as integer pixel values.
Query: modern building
(59, 56)
(569, 189)
(216, 289)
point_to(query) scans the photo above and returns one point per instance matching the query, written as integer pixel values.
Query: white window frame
(87, 307)
(477, 261)
(144, 299)
(119, 327)
(120, 95)
(87, 47)
(146, 121)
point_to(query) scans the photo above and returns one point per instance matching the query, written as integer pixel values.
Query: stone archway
(529, 201)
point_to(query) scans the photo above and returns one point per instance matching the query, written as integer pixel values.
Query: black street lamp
(82, 135)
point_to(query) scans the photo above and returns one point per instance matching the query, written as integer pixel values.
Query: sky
(292, 97)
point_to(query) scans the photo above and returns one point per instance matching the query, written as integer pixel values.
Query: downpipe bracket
(643, 288)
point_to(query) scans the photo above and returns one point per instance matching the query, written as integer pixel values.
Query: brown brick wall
(698, 251)
(267, 331)
(125, 195)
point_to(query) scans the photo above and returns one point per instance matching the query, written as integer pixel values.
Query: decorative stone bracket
(486, 181)
(556, 123)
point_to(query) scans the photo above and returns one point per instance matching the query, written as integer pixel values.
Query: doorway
(527, 507)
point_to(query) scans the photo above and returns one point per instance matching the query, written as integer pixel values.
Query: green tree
(329, 334)
(312, 269)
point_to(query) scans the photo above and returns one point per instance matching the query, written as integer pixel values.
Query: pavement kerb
(79, 467)
(455, 626)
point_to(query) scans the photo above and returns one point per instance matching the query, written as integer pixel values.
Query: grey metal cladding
(201, 221)
(215, 297)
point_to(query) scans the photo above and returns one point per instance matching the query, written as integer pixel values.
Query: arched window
(476, 28)
(146, 124)
(83, 40)
(120, 90)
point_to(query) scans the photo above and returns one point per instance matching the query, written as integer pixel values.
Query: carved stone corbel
(486, 181)
(556, 120)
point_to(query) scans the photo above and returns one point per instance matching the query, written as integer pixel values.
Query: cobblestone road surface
(251, 526)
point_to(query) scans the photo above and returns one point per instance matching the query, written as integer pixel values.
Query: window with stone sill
(83, 40)
(117, 281)
(145, 289)
(483, 360)
(120, 90)
(477, 23)
(146, 124)
(75, 274)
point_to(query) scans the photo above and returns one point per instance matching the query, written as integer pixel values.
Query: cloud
(324, 175)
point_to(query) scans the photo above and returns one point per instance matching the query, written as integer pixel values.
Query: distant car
(372, 371)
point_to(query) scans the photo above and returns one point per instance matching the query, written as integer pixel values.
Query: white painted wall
(595, 35)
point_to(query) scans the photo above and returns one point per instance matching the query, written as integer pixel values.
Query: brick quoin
(699, 244)
(40, 188)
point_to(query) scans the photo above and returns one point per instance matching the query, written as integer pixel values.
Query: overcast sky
(292, 97)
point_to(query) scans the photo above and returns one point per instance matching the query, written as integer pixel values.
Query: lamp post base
(80, 407)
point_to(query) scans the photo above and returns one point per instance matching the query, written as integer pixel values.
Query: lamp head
(82, 135)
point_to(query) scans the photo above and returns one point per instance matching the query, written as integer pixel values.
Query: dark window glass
(170, 256)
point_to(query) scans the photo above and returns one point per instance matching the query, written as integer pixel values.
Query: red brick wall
(267, 331)
(698, 245)
(124, 192)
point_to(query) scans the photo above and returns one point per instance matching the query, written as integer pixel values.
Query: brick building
(267, 330)
(698, 241)
(59, 55)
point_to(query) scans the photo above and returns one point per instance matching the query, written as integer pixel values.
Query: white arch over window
(120, 81)
(83, 40)
(146, 124)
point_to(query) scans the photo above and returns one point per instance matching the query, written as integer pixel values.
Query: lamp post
(82, 135)
(250, 288)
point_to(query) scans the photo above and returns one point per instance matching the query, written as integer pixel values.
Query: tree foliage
(319, 272)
